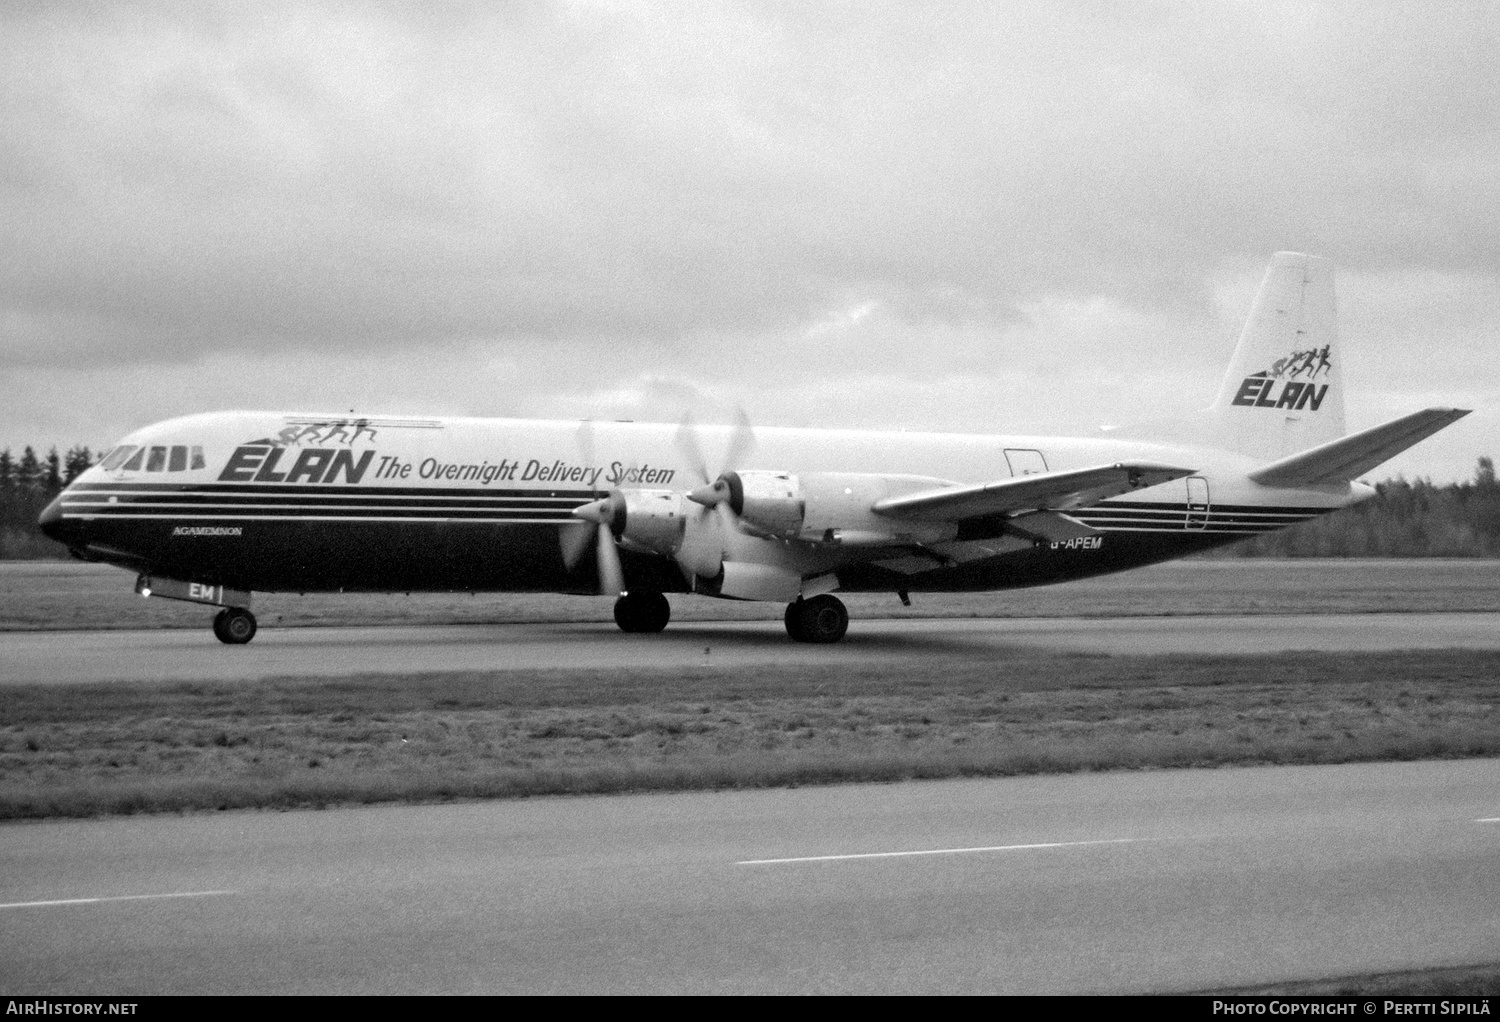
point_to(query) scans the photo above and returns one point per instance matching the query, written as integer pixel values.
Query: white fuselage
(265, 500)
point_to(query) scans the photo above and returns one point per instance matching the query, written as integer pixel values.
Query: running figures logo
(1296, 374)
(346, 432)
(329, 431)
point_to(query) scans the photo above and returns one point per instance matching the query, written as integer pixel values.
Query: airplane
(211, 508)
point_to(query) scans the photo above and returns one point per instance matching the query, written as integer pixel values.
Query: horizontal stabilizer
(1045, 491)
(1349, 457)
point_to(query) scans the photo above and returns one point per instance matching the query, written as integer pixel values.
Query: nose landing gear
(234, 626)
(822, 619)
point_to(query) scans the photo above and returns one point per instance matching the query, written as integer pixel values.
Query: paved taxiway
(1155, 881)
(194, 655)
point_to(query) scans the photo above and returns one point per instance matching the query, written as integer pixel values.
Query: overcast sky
(1038, 217)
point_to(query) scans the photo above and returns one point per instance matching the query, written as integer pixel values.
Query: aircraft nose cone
(51, 521)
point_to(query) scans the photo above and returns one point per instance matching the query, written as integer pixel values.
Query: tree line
(1404, 519)
(27, 485)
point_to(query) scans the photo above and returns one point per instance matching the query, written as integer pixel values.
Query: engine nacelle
(769, 504)
(825, 507)
(663, 522)
(650, 520)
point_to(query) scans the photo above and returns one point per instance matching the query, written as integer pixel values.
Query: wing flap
(1051, 526)
(1349, 457)
(1045, 491)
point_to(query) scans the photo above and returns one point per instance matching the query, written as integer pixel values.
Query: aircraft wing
(1348, 457)
(1046, 491)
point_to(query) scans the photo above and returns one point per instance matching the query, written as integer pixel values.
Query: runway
(194, 655)
(1158, 881)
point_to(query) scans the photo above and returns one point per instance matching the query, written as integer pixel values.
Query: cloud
(749, 199)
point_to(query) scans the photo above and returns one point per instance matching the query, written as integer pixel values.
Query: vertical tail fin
(1284, 391)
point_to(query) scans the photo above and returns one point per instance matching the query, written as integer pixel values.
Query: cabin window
(198, 461)
(178, 462)
(113, 459)
(157, 459)
(134, 464)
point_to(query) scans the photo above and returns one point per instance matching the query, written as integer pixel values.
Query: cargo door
(1025, 463)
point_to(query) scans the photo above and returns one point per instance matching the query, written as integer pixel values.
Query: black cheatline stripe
(1111, 523)
(1166, 520)
(1244, 520)
(1228, 508)
(1215, 508)
(371, 491)
(225, 520)
(1218, 509)
(138, 511)
(1179, 512)
(311, 500)
(1181, 527)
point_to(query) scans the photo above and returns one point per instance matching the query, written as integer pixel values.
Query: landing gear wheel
(234, 626)
(793, 619)
(642, 612)
(821, 619)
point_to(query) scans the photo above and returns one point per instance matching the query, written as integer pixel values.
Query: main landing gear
(821, 619)
(642, 612)
(234, 626)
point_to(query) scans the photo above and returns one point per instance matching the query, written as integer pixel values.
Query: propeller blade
(715, 491)
(574, 538)
(702, 549)
(690, 449)
(611, 576)
(728, 520)
(596, 521)
(741, 442)
(585, 440)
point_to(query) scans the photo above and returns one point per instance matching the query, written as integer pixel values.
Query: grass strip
(298, 742)
(1458, 981)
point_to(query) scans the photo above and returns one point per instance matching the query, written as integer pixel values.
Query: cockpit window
(177, 458)
(113, 459)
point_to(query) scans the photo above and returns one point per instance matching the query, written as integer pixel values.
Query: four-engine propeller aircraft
(209, 508)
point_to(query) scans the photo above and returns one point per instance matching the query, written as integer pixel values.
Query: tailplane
(1346, 458)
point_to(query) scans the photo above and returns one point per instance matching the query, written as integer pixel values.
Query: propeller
(605, 513)
(597, 521)
(702, 550)
(741, 443)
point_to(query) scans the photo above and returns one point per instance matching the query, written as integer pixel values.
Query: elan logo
(256, 463)
(1259, 390)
